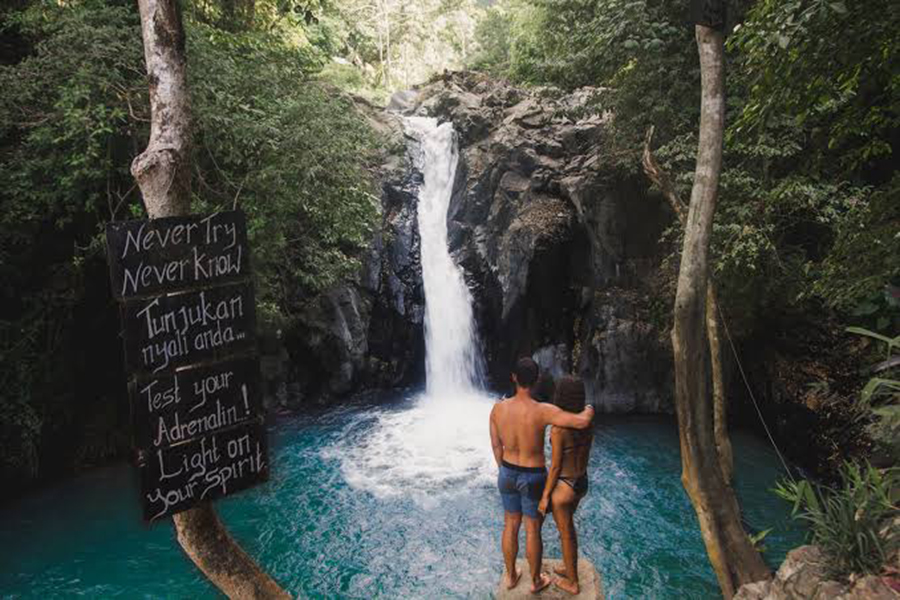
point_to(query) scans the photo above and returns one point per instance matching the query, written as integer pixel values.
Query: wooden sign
(171, 408)
(189, 324)
(167, 332)
(205, 468)
(175, 253)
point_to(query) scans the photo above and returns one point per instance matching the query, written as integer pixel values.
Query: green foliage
(758, 539)
(774, 223)
(807, 211)
(831, 64)
(72, 96)
(847, 522)
(66, 133)
(865, 256)
(640, 51)
(73, 114)
(352, 80)
(392, 44)
(881, 395)
(492, 33)
(292, 155)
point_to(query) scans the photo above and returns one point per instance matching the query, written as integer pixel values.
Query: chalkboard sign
(173, 331)
(205, 468)
(189, 325)
(151, 256)
(171, 408)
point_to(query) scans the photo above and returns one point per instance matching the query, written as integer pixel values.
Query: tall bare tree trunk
(720, 408)
(163, 173)
(163, 170)
(386, 25)
(720, 413)
(730, 551)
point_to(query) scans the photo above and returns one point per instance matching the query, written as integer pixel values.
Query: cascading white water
(440, 445)
(451, 352)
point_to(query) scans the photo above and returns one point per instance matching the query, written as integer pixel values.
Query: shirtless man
(517, 437)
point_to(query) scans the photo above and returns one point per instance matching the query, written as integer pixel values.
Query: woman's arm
(556, 435)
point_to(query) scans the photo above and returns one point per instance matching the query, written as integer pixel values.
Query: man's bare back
(518, 425)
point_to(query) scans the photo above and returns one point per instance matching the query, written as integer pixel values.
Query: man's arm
(554, 415)
(555, 469)
(496, 444)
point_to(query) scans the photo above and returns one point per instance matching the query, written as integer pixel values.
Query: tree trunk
(163, 170)
(386, 26)
(720, 415)
(730, 551)
(206, 541)
(163, 173)
(720, 410)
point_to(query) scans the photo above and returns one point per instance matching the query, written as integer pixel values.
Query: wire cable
(750, 391)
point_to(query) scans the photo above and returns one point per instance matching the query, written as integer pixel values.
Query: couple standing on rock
(517, 437)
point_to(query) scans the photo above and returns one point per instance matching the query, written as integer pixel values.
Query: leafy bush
(73, 113)
(830, 64)
(808, 210)
(881, 395)
(68, 129)
(865, 256)
(290, 153)
(848, 522)
(492, 34)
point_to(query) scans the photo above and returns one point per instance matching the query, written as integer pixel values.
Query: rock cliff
(559, 250)
(368, 332)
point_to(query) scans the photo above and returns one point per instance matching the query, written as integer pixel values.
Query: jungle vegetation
(806, 235)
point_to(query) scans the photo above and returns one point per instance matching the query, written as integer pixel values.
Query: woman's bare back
(576, 451)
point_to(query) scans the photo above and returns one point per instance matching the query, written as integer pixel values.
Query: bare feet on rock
(512, 580)
(567, 585)
(540, 583)
(561, 571)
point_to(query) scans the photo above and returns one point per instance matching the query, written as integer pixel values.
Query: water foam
(427, 452)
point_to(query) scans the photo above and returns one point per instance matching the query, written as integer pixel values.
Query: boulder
(802, 576)
(800, 573)
(871, 587)
(590, 583)
(758, 590)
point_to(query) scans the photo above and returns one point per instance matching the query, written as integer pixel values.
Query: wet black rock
(558, 248)
(368, 332)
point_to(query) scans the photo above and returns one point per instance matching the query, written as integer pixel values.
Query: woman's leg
(564, 504)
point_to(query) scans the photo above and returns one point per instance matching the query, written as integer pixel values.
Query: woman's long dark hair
(569, 394)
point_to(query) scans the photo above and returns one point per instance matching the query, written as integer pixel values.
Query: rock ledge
(590, 582)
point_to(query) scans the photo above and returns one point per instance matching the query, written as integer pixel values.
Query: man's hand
(556, 416)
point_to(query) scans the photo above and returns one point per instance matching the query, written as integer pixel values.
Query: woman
(567, 482)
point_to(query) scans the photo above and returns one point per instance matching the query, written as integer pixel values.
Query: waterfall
(437, 444)
(452, 358)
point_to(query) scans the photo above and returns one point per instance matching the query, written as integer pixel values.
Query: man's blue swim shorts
(521, 488)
